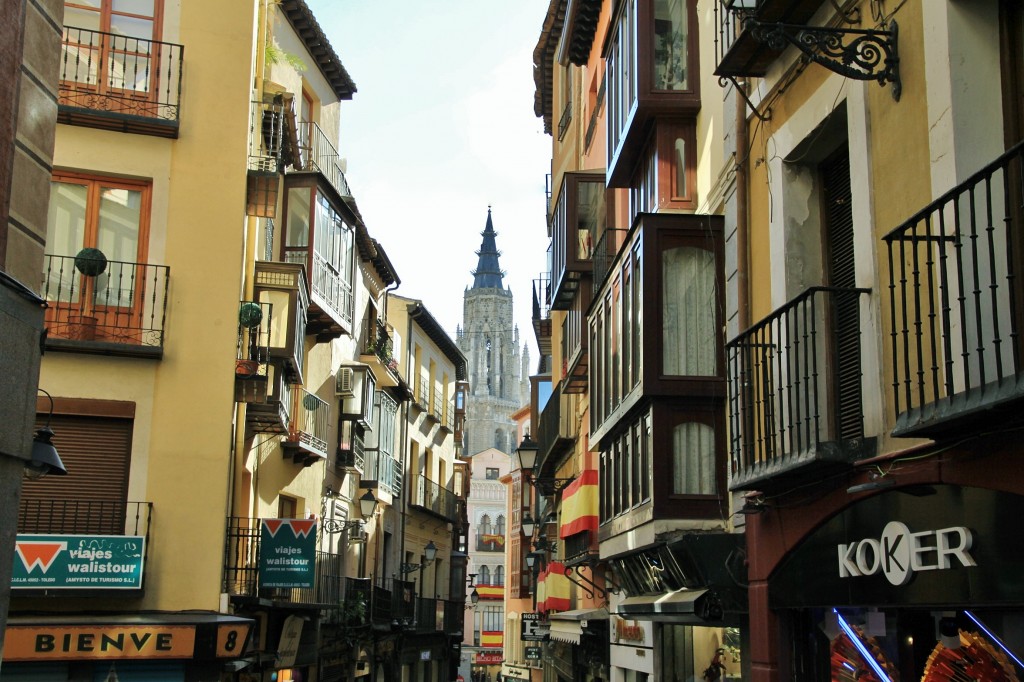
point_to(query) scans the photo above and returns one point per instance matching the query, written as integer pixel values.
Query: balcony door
(110, 45)
(109, 214)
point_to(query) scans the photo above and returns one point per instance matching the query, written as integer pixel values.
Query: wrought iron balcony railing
(795, 390)
(434, 498)
(269, 136)
(119, 311)
(956, 305)
(385, 470)
(393, 603)
(556, 431)
(310, 427)
(565, 120)
(319, 153)
(119, 82)
(241, 570)
(84, 517)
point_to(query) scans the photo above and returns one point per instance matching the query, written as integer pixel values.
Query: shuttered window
(92, 498)
(841, 272)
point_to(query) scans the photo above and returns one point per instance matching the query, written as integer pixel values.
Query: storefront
(919, 583)
(128, 648)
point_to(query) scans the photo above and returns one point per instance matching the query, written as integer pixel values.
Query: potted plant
(91, 263)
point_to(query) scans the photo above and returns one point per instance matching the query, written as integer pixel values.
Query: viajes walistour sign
(75, 562)
(287, 553)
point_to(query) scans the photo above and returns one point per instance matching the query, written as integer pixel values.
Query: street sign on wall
(75, 562)
(529, 628)
(287, 553)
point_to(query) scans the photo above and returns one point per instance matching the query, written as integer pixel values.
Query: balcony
(580, 215)
(318, 153)
(392, 603)
(542, 313)
(556, 432)
(433, 498)
(241, 571)
(115, 82)
(309, 431)
(737, 52)
(356, 606)
(384, 470)
(252, 352)
(957, 307)
(796, 411)
(84, 517)
(655, 323)
(282, 286)
(377, 350)
(272, 415)
(576, 343)
(448, 423)
(119, 311)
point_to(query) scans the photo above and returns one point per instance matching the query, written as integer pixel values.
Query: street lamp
(429, 554)
(528, 525)
(367, 506)
(527, 452)
(474, 597)
(44, 459)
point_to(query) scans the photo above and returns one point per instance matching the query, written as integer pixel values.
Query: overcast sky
(442, 126)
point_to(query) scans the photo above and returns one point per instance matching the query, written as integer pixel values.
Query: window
(499, 575)
(320, 236)
(124, 59)
(625, 470)
(499, 525)
(670, 48)
(693, 459)
(485, 524)
(485, 576)
(688, 314)
(493, 618)
(492, 474)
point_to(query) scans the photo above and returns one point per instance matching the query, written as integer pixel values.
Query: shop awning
(568, 631)
(681, 606)
(567, 626)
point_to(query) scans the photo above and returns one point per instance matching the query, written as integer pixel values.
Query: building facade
(869, 376)
(639, 570)
(251, 425)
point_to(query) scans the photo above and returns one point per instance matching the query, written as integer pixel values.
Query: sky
(441, 127)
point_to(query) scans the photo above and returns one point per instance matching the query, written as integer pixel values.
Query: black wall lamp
(545, 485)
(367, 506)
(429, 554)
(44, 459)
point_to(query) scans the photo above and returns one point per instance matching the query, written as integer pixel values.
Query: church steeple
(488, 274)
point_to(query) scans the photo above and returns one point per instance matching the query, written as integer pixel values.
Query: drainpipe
(742, 226)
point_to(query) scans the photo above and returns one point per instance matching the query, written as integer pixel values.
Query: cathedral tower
(499, 383)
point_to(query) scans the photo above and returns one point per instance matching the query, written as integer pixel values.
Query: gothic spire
(488, 274)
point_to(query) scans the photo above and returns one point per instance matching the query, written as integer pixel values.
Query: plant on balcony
(91, 262)
(250, 315)
(353, 610)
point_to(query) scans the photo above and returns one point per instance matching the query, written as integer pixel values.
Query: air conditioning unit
(345, 383)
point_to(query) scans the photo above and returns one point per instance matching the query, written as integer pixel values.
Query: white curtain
(688, 312)
(693, 459)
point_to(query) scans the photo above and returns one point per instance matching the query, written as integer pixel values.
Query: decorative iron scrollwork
(862, 54)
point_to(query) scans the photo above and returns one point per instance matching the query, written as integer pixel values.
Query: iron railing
(378, 342)
(542, 297)
(268, 137)
(252, 349)
(241, 570)
(84, 517)
(124, 305)
(556, 430)
(393, 602)
(385, 469)
(730, 25)
(784, 374)
(330, 289)
(449, 416)
(565, 120)
(955, 298)
(434, 498)
(437, 411)
(120, 76)
(605, 250)
(319, 153)
(310, 421)
(355, 605)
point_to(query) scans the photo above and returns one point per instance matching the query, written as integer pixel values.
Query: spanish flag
(492, 639)
(491, 591)
(579, 505)
(493, 539)
(556, 589)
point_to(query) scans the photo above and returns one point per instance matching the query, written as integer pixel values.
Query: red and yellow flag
(491, 591)
(556, 589)
(579, 505)
(492, 639)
